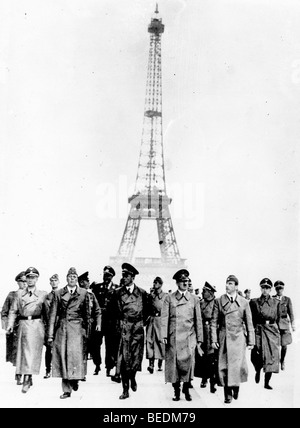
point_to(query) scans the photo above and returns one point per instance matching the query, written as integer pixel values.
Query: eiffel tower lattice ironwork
(150, 200)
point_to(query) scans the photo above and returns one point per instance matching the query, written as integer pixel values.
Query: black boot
(133, 383)
(150, 368)
(160, 365)
(125, 383)
(97, 370)
(185, 390)
(235, 390)
(19, 379)
(203, 383)
(212, 386)
(257, 376)
(227, 394)
(176, 387)
(267, 380)
(282, 357)
(107, 372)
(116, 378)
(27, 383)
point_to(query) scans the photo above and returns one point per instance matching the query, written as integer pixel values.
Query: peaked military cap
(209, 287)
(32, 271)
(232, 278)
(158, 279)
(83, 277)
(266, 281)
(19, 276)
(247, 290)
(279, 284)
(54, 277)
(181, 274)
(126, 267)
(72, 271)
(109, 269)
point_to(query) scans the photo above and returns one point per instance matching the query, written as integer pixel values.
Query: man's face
(107, 277)
(22, 282)
(231, 287)
(31, 280)
(206, 293)
(279, 291)
(156, 285)
(128, 278)
(183, 284)
(85, 283)
(72, 280)
(54, 283)
(265, 290)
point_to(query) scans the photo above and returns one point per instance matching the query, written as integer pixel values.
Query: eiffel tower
(150, 200)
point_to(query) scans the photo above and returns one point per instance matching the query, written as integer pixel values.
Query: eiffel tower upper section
(150, 200)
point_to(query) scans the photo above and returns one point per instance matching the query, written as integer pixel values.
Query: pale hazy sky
(73, 80)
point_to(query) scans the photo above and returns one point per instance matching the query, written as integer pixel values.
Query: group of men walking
(195, 337)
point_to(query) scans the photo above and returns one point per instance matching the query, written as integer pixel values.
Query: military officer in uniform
(231, 319)
(181, 332)
(286, 318)
(95, 314)
(131, 307)
(206, 365)
(103, 292)
(68, 329)
(30, 308)
(155, 349)
(12, 338)
(265, 314)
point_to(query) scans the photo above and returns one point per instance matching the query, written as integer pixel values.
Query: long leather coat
(68, 326)
(154, 346)
(181, 325)
(231, 326)
(131, 312)
(31, 332)
(265, 314)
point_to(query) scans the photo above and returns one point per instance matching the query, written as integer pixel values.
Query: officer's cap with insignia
(279, 284)
(19, 276)
(54, 277)
(109, 269)
(83, 277)
(266, 282)
(209, 287)
(233, 278)
(181, 274)
(72, 271)
(126, 267)
(32, 271)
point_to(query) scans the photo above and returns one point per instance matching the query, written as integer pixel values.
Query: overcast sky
(73, 79)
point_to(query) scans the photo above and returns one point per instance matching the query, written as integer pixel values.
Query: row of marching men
(205, 338)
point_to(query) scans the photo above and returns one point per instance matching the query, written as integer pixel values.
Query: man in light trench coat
(68, 330)
(231, 318)
(29, 308)
(181, 332)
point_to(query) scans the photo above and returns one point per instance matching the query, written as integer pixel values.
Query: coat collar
(261, 300)
(26, 291)
(225, 302)
(186, 298)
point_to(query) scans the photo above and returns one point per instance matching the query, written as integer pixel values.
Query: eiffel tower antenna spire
(150, 200)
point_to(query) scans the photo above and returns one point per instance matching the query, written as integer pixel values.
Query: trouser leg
(66, 385)
(48, 358)
(283, 353)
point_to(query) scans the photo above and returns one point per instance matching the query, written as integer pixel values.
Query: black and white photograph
(149, 202)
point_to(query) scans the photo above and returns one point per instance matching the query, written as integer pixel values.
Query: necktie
(30, 293)
(231, 299)
(182, 295)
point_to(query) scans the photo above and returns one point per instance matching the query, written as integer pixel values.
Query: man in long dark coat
(231, 318)
(30, 309)
(12, 338)
(103, 292)
(68, 330)
(266, 314)
(181, 332)
(286, 319)
(155, 349)
(130, 304)
(206, 365)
